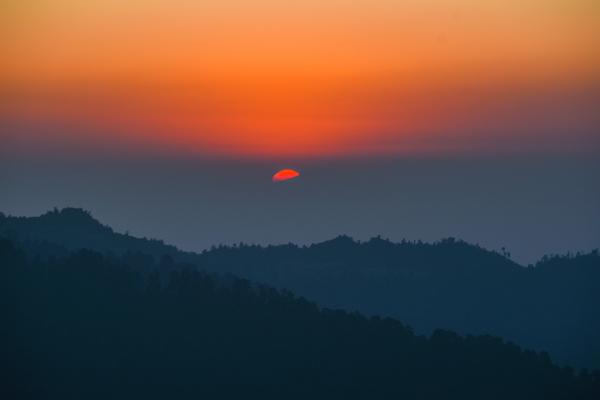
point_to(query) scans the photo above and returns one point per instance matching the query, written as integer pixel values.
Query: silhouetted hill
(450, 284)
(74, 228)
(91, 326)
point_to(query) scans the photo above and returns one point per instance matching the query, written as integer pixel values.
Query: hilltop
(450, 284)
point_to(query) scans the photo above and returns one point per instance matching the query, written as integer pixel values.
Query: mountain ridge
(449, 284)
(72, 220)
(113, 331)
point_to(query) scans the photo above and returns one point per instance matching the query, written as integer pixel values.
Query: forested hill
(451, 284)
(74, 228)
(93, 326)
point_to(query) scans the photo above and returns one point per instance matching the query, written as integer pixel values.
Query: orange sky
(307, 78)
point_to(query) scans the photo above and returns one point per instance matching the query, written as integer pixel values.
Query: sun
(285, 175)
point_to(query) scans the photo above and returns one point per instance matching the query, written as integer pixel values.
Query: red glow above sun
(285, 174)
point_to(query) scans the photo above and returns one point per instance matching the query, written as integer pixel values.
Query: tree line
(89, 325)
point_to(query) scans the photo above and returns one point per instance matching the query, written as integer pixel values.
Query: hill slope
(91, 326)
(453, 285)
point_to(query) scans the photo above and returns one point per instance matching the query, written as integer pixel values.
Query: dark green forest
(86, 325)
(550, 306)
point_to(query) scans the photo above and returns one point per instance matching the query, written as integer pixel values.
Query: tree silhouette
(92, 326)
(449, 285)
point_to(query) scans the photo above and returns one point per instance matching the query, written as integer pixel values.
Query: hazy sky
(533, 206)
(304, 78)
(410, 119)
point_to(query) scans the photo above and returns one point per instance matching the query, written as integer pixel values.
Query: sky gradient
(268, 79)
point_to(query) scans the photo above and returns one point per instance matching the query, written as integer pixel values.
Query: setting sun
(285, 175)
